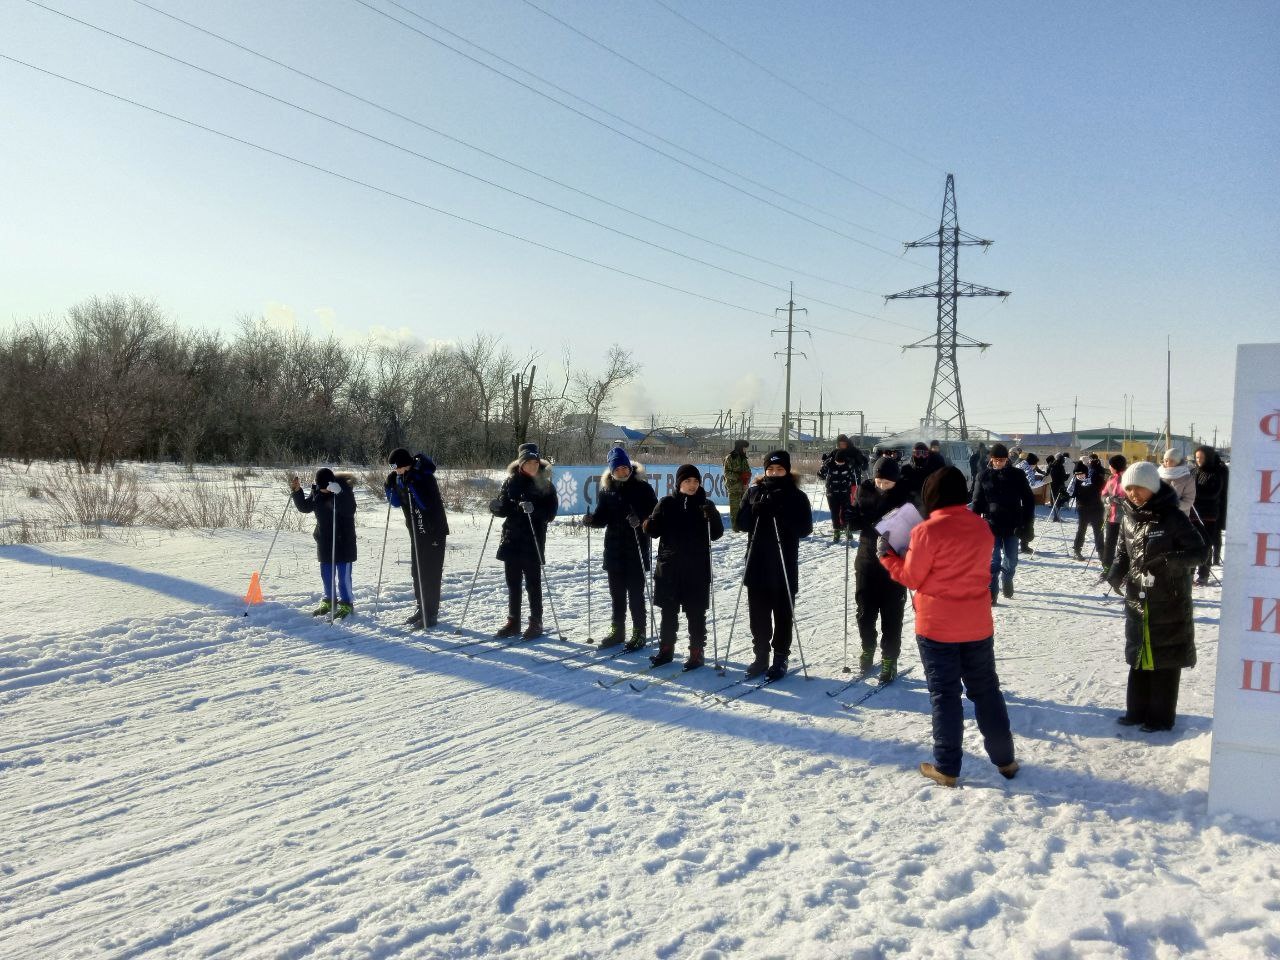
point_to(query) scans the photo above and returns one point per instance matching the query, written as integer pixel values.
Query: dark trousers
(1085, 521)
(525, 568)
(626, 588)
(671, 626)
(1110, 538)
(1004, 559)
(886, 603)
(838, 503)
(1152, 696)
(1211, 530)
(769, 609)
(1027, 534)
(1058, 496)
(973, 664)
(428, 570)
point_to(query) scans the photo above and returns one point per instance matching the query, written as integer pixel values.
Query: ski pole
(711, 569)
(333, 561)
(795, 627)
(416, 556)
(551, 595)
(653, 627)
(467, 606)
(847, 669)
(377, 593)
(751, 542)
(263, 569)
(589, 584)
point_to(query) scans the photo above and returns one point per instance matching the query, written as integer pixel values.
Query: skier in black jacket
(1002, 495)
(1088, 496)
(1210, 507)
(775, 514)
(1158, 549)
(684, 523)
(623, 504)
(839, 470)
(411, 486)
(1057, 471)
(917, 470)
(333, 500)
(878, 596)
(527, 502)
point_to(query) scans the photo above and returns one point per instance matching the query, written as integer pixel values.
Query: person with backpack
(411, 486)
(332, 499)
(527, 502)
(624, 502)
(684, 524)
(1158, 550)
(775, 515)
(838, 470)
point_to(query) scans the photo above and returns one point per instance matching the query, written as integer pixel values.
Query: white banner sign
(1244, 775)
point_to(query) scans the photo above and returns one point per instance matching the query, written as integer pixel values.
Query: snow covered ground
(179, 780)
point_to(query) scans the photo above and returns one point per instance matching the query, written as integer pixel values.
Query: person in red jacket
(948, 566)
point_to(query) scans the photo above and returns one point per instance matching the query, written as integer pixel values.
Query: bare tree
(595, 392)
(488, 368)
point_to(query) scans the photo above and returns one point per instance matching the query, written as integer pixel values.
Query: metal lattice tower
(946, 405)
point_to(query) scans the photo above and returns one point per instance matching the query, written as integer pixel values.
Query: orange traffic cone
(254, 594)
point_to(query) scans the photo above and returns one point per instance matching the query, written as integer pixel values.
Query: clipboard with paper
(896, 526)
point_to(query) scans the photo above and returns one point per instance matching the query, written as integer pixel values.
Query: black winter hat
(1081, 467)
(1032, 459)
(920, 445)
(944, 488)
(741, 444)
(686, 471)
(998, 450)
(779, 458)
(528, 451)
(400, 457)
(324, 477)
(887, 468)
(843, 438)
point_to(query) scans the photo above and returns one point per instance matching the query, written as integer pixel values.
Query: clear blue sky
(1122, 156)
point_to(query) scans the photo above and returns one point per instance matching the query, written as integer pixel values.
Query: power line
(442, 164)
(399, 196)
(493, 156)
(723, 113)
(804, 93)
(622, 133)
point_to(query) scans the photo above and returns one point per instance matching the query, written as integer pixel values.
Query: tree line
(115, 379)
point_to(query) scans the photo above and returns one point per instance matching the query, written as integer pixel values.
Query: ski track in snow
(177, 780)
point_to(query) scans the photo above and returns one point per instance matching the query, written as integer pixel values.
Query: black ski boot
(414, 621)
(666, 653)
(614, 637)
(509, 629)
(778, 670)
(757, 666)
(695, 659)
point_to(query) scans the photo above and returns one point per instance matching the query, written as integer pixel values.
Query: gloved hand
(589, 519)
(634, 520)
(334, 487)
(495, 506)
(762, 505)
(883, 549)
(393, 479)
(709, 511)
(526, 506)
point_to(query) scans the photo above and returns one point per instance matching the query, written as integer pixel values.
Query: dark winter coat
(1211, 487)
(417, 495)
(518, 543)
(1057, 473)
(1088, 494)
(916, 472)
(321, 503)
(1158, 539)
(1004, 498)
(838, 470)
(616, 502)
(868, 507)
(770, 499)
(683, 573)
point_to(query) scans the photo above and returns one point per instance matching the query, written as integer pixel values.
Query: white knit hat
(1141, 474)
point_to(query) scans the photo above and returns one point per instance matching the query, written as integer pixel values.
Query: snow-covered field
(179, 780)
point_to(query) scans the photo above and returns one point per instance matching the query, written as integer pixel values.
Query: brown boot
(1009, 770)
(508, 629)
(695, 659)
(533, 630)
(936, 775)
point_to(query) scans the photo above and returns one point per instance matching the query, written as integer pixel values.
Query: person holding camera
(332, 499)
(527, 502)
(411, 485)
(624, 502)
(1159, 549)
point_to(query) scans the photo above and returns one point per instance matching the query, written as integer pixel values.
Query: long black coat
(518, 541)
(417, 494)
(767, 500)
(683, 571)
(1158, 539)
(868, 508)
(1004, 498)
(321, 503)
(1211, 487)
(615, 503)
